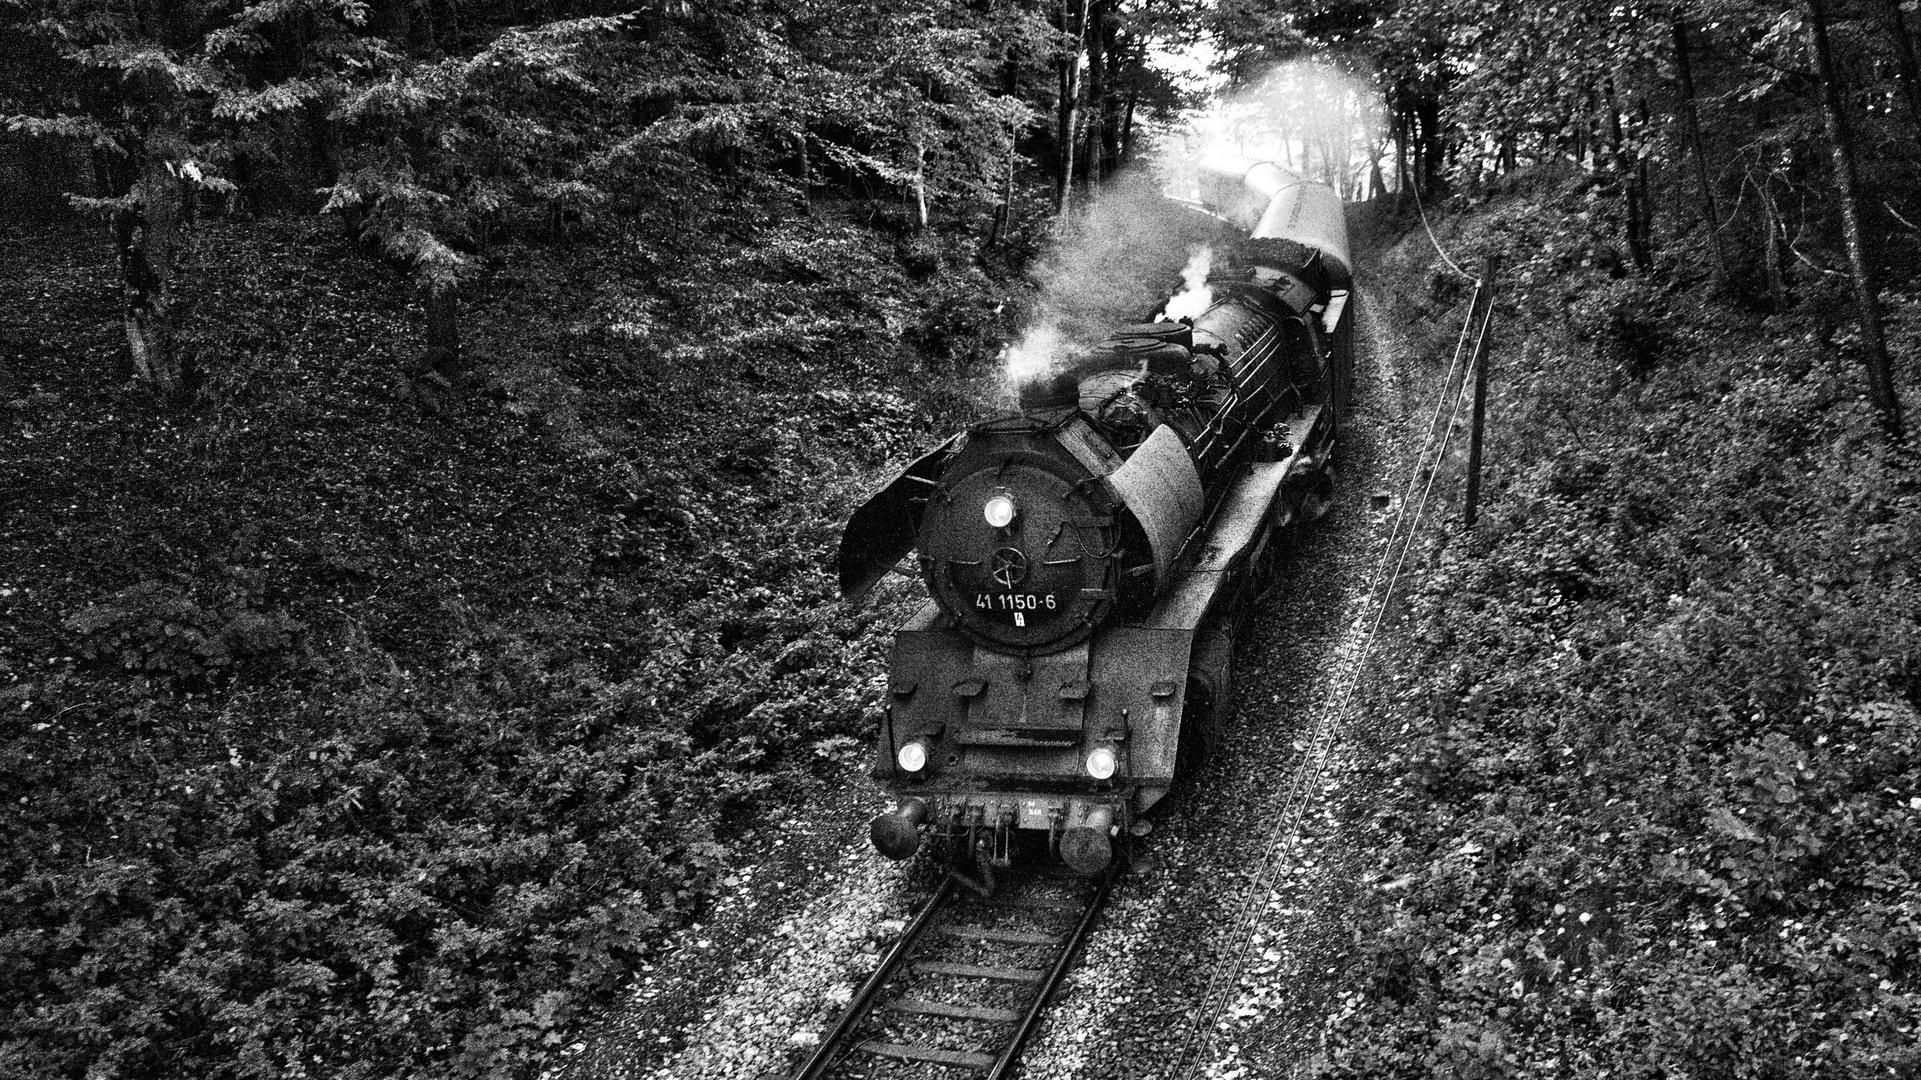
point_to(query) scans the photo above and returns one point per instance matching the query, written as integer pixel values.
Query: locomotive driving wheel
(1318, 498)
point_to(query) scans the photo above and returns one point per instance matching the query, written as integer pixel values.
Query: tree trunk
(1644, 184)
(920, 184)
(323, 142)
(1577, 135)
(1434, 152)
(1398, 132)
(1127, 128)
(1626, 168)
(1118, 76)
(1004, 212)
(147, 236)
(1691, 130)
(1771, 252)
(1063, 134)
(1070, 88)
(1095, 36)
(1908, 74)
(804, 170)
(443, 327)
(1874, 346)
(1417, 139)
(1589, 157)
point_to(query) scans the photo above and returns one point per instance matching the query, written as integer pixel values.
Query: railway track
(965, 984)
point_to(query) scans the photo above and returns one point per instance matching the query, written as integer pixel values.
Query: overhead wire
(1226, 977)
(1414, 475)
(1432, 239)
(1433, 471)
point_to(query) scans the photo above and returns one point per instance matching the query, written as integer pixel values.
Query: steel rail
(1005, 1063)
(864, 999)
(841, 1040)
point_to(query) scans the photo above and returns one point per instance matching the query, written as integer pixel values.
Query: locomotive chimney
(1055, 390)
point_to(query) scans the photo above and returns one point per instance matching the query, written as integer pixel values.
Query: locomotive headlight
(1000, 509)
(1101, 763)
(912, 757)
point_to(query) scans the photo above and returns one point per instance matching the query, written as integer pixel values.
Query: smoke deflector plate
(882, 531)
(1159, 486)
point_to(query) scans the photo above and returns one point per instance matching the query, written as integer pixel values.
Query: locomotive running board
(1141, 668)
(1237, 527)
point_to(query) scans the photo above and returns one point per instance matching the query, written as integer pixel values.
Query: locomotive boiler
(1089, 557)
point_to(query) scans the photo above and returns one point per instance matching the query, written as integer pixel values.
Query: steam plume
(1195, 296)
(1111, 267)
(1039, 350)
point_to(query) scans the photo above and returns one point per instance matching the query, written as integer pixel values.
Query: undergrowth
(1658, 807)
(370, 719)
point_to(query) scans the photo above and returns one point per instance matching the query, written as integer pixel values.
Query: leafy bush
(412, 770)
(157, 629)
(469, 865)
(1660, 807)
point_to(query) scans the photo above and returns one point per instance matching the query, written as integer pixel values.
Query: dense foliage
(364, 720)
(371, 708)
(1658, 805)
(1789, 129)
(437, 130)
(366, 710)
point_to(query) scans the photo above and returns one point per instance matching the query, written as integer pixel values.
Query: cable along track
(1352, 654)
(965, 984)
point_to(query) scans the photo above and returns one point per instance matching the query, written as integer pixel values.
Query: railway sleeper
(951, 1011)
(966, 1059)
(1003, 936)
(975, 1006)
(979, 971)
(1034, 903)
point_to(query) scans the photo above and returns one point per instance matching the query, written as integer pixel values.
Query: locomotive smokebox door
(1017, 542)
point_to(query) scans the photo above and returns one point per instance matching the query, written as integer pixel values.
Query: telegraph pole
(1479, 364)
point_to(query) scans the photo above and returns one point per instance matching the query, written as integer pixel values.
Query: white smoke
(1195, 297)
(1113, 260)
(1307, 116)
(1109, 267)
(1039, 350)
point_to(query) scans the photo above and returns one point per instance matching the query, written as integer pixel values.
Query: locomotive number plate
(1014, 608)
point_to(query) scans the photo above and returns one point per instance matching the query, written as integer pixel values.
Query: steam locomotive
(1091, 556)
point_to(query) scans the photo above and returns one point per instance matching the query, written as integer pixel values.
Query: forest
(428, 422)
